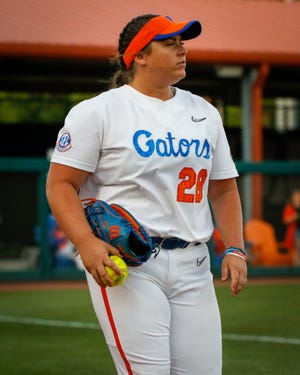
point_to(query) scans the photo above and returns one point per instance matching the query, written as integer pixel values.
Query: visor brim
(187, 30)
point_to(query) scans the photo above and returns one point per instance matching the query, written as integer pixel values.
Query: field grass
(261, 315)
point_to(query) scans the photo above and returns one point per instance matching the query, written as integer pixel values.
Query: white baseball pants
(164, 319)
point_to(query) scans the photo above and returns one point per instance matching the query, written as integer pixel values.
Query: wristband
(236, 251)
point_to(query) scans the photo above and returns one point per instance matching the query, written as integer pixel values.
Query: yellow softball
(117, 279)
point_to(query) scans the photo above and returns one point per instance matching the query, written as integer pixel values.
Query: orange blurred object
(264, 249)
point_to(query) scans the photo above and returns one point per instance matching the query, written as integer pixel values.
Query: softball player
(162, 154)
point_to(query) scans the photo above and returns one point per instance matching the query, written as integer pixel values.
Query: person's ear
(140, 59)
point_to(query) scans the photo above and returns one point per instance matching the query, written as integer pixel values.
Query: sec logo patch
(64, 142)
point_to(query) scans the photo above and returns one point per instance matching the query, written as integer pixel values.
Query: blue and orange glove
(115, 225)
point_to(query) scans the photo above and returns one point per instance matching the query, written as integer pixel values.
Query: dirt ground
(42, 285)
(50, 285)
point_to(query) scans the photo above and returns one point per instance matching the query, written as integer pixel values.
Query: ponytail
(123, 76)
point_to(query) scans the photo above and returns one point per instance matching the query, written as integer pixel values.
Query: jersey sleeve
(223, 166)
(79, 140)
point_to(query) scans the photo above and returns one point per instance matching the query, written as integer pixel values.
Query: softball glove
(115, 225)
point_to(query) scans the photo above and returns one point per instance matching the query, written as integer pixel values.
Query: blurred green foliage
(24, 107)
(49, 108)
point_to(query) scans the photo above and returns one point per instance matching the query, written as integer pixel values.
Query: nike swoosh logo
(195, 119)
(200, 261)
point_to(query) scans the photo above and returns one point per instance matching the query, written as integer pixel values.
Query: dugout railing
(38, 167)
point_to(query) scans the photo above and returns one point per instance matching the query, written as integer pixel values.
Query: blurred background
(54, 54)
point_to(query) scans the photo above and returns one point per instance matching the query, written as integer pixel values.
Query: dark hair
(122, 75)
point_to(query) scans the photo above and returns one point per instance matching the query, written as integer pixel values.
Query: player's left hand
(235, 269)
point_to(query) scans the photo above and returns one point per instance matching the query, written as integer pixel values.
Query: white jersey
(155, 158)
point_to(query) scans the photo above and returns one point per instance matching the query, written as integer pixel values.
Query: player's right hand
(95, 256)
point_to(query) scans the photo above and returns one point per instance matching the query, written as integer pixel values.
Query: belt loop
(170, 243)
(160, 245)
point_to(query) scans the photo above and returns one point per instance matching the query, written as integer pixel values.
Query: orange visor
(159, 28)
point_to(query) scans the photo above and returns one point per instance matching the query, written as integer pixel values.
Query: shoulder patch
(64, 142)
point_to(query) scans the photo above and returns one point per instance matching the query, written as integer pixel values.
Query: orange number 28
(191, 180)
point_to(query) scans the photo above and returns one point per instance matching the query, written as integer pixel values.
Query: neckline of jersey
(150, 99)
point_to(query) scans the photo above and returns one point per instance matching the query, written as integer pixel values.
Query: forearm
(226, 206)
(67, 209)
